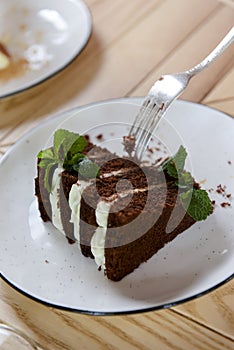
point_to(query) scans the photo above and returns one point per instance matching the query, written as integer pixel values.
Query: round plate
(37, 260)
(42, 37)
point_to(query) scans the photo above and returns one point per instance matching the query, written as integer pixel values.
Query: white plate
(48, 34)
(36, 259)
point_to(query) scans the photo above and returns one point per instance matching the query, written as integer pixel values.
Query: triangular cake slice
(122, 213)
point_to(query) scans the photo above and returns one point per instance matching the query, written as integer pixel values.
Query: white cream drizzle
(54, 200)
(74, 203)
(99, 237)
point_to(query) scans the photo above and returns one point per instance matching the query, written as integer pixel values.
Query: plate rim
(58, 116)
(116, 313)
(29, 86)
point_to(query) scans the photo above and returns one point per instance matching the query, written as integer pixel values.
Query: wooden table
(133, 42)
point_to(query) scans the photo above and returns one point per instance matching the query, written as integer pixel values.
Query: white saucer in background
(42, 37)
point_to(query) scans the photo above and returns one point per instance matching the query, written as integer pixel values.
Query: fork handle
(227, 40)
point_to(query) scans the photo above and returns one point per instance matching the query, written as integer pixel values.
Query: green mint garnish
(67, 144)
(67, 153)
(197, 203)
(185, 180)
(175, 165)
(72, 160)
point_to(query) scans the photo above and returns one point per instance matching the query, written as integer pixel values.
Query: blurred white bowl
(42, 37)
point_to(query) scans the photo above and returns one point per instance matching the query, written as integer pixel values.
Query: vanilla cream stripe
(126, 170)
(123, 194)
(99, 237)
(54, 199)
(115, 173)
(74, 203)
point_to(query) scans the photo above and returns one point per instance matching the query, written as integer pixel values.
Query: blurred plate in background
(38, 39)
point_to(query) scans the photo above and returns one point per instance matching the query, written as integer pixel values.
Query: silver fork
(161, 95)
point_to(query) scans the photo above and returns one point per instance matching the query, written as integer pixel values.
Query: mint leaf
(46, 162)
(73, 161)
(48, 154)
(175, 165)
(197, 203)
(87, 168)
(60, 136)
(67, 143)
(78, 145)
(185, 180)
(66, 152)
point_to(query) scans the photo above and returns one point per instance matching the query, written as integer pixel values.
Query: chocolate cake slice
(119, 211)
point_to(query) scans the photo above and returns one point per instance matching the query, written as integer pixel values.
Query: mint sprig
(67, 144)
(195, 201)
(175, 165)
(66, 152)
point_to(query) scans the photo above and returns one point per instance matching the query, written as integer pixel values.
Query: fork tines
(144, 125)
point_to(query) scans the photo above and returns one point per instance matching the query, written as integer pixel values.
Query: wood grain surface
(132, 43)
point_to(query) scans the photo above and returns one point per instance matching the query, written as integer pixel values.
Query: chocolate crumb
(225, 204)
(99, 268)
(150, 150)
(46, 261)
(220, 189)
(99, 137)
(229, 162)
